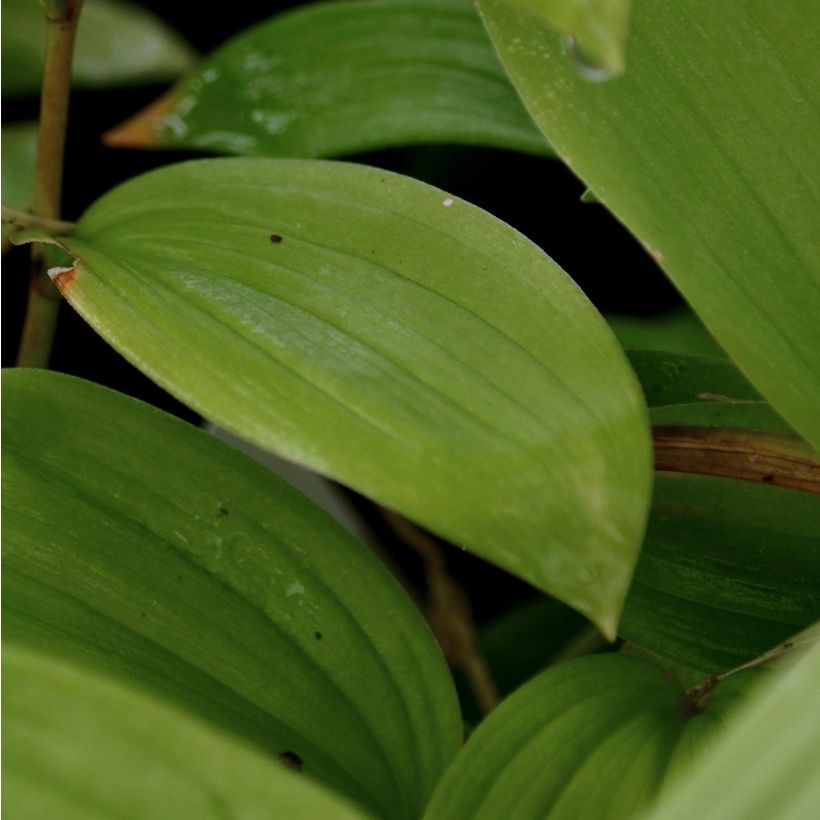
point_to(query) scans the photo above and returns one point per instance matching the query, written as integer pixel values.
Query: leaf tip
(141, 130)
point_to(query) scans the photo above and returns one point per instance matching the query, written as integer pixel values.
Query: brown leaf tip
(63, 277)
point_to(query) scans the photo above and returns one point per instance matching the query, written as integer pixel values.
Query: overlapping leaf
(593, 737)
(142, 546)
(764, 767)
(392, 337)
(706, 149)
(118, 43)
(80, 746)
(728, 570)
(340, 77)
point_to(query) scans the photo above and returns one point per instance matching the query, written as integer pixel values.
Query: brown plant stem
(43, 298)
(449, 612)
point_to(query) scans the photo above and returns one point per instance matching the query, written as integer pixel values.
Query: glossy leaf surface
(593, 737)
(706, 149)
(764, 767)
(336, 78)
(142, 546)
(80, 746)
(118, 43)
(392, 337)
(728, 570)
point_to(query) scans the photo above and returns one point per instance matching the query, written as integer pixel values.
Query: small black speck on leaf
(292, 760)
(318, 636)
(222, 512)
(275, 238)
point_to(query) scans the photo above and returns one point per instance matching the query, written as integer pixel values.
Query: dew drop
(587, 68)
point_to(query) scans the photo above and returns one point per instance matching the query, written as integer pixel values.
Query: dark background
(539, 197)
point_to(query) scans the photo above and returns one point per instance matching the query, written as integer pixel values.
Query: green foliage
(119, 43)
(188, 636)
(493, 403)
(335, 78)
(688, 149)
(171, 560)
(78, 746)
(593, 737)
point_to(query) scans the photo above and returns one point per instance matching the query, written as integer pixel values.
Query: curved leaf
(392, 337)
(78, 745)
(764, 767)
(140, 545)
(706, 149)
(594, 737)
(118, 43)
(728, 570)
(340, 77)
(753, 416)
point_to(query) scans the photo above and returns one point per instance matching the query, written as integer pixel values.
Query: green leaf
(593, 737)
(19, 146)
(79, 746)
(144, 547)
(675, 378)
(340, 77)
(118, 43)
(392, 337)
(596, 32)
(728, 570)
(754, 416)
(764, 766)
(674, 331)
(706, 148)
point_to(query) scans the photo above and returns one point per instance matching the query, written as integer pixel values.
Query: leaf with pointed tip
(729, 569)
(706, 148)
(391, 337)
(764, 766)
(337, 78)
(144, 547)
(79, 746)
(118, 43)
(593, 737)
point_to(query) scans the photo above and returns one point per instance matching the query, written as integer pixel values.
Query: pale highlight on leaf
(392, 337)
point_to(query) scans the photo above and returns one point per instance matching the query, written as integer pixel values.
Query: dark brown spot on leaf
(222, 512)
(275, 238)
(292, 760)
(318, 636)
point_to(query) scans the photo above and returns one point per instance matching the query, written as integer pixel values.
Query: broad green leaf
(706, 148)
(118, 43)
(19, 147)
(335, 78)
(728, 570)
(81, 746)
(596, 32)
(594, 737)
(764, 766)
(392, 337)
(673, 331)
(675, 378)
(142, 546)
